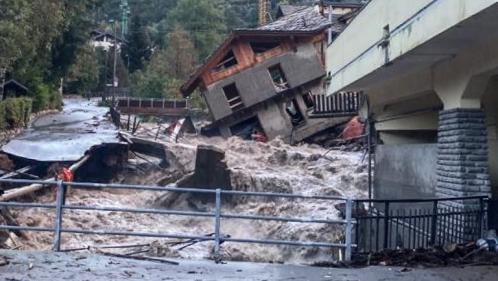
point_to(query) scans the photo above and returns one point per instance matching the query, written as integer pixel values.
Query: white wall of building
(356, 52)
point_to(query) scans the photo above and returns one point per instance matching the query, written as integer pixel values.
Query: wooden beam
(21, 191)
(17, 172)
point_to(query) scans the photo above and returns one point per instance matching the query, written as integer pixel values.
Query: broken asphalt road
(65, 136)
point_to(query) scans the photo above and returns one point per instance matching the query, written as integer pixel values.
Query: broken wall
(275, 121)
(255, 84)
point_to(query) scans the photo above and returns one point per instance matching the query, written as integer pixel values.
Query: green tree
(84, 73)
(180, 54)
(204, 20)
(138, 49)
(154, 81)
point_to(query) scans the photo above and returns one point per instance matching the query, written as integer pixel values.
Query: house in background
(105, 40)
(269, 78)
(13, 89)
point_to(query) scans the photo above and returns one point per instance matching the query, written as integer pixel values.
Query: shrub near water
(15, 112)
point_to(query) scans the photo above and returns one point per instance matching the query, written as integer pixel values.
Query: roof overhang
(16, 83)
(434, 32)
(192, 83)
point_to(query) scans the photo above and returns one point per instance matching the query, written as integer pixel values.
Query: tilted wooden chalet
(269, 78)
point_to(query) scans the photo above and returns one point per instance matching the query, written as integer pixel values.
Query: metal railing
(216, 215)
(142, 103)
(421, 223)
(344, 104)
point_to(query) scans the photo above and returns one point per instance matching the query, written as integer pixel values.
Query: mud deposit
(274, 167)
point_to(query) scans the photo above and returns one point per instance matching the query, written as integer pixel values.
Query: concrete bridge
(430, 70)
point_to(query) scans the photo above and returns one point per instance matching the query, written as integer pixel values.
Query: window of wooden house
(233, 97)
(278, 77)
(262, 47)
(308, 100)
(228, 61)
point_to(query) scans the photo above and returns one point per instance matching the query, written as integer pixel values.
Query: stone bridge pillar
(462, 168)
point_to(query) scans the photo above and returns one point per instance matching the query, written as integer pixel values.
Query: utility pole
(125, 12)
(4, 63)
(3, 71)
(114, 77)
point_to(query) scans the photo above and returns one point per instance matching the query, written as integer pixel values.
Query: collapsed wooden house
(269, 79)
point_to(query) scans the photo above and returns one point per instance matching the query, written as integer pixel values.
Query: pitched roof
(305, 21)
(97, 34)
(287, 9)
(345, 3)
(16, 84)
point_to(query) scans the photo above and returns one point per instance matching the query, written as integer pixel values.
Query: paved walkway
(81, 267)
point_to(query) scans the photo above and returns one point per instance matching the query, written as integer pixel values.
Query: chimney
(320, 7)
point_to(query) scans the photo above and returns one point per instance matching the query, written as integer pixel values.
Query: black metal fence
(412, 224)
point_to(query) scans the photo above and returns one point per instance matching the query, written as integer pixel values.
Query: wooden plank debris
(18, 192)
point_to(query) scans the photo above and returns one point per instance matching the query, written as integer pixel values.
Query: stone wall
(462, 166)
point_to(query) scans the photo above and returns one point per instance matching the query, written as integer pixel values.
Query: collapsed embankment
(264, 167)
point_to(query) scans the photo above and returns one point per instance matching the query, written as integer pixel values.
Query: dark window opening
(261, 47)
(294, 113)
(249, 129)
(228, 61)
(308, 100)
(278, 77)
(233, 97)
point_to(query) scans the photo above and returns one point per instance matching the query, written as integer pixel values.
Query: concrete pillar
(462, 168)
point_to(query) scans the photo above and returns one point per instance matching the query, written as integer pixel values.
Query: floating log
(18, 192)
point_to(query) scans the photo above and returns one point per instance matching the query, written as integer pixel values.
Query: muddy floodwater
(65, 136)
(261, 167)
(270, 167)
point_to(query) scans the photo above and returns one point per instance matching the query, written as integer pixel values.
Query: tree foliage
(204, 20)
(139, 48)
(39, 42)
(167, 68)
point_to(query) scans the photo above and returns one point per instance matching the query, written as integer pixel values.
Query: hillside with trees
(44, 42)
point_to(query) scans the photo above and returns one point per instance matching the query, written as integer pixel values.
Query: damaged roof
(303, 21)
(287, 9)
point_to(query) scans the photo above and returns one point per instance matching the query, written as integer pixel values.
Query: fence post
(434, 223)
(349, 228)
(386, 224)
(217, 226)
(481, 217)
(58, 216)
